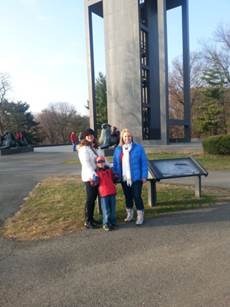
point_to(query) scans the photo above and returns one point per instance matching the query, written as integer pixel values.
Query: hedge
(217, 145)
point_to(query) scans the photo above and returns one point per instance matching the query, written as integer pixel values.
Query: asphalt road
(21, 172)
(176, 260)
(179, 259)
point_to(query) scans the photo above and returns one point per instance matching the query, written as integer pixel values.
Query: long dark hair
(84, 142)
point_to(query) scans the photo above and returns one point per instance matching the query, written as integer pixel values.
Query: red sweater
(73, 137)
(106, 186)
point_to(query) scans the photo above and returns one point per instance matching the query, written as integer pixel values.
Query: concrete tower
(136, 66)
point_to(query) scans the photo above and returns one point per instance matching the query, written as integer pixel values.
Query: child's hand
(116, 178)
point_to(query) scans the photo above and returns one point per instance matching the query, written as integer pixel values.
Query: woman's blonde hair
(123, 131)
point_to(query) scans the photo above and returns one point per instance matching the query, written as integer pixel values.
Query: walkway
(179, 259)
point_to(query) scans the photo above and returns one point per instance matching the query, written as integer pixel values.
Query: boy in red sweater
(107, 191)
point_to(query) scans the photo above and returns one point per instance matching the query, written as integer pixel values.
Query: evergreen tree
(211, 119)
(16, 117)
(101, 100)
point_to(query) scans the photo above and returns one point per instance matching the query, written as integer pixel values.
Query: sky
(43, 47)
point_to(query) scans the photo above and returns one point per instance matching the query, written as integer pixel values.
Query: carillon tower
(137, 66)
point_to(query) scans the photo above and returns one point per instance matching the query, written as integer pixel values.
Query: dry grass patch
(210, 162)
(56, 206)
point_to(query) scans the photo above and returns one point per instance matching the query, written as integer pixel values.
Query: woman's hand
(94, 182)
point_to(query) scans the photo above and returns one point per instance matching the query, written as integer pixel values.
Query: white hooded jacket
(87, 158)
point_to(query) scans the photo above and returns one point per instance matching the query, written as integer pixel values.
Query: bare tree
(176, 83)
(222, 35)
(4, 85)
(217, 54)
(217, 71)
(4, 88)
(58, 120)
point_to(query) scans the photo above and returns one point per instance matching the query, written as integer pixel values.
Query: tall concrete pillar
(122, 53)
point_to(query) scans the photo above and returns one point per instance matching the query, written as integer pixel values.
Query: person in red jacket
(107, 191)
(73, 139)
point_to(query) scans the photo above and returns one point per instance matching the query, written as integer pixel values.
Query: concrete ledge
(16, 150)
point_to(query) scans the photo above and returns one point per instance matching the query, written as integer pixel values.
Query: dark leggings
(91, 195)
(133, 193)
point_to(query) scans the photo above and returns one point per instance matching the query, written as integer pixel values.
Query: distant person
(105, 178)
(130, 163)
(74, 140)
(88, 150)
(18, 136)
(8, 140)
(105, 137)
(115, 136)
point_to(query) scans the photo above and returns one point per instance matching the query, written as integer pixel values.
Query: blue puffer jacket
(138, 162)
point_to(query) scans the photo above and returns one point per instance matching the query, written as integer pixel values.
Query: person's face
(127, 138)
(101, 164)
(89, 138)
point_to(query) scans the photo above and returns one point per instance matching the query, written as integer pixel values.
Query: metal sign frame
(173, 168)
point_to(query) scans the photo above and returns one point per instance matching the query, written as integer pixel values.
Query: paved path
(20, 173)
(179, 259)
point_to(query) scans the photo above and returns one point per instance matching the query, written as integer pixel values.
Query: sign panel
(172, 168)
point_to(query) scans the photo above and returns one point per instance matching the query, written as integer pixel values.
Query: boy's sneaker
(106, 228)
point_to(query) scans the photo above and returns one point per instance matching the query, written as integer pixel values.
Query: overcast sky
(43, 46)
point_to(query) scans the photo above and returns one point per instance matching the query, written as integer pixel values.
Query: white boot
(129, 216)
(140, 217)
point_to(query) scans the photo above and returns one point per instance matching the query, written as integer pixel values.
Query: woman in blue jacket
(130, 163)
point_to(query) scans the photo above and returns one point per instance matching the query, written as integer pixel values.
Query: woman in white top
(88, 150)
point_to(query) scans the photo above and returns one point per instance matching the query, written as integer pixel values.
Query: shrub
(217, 145)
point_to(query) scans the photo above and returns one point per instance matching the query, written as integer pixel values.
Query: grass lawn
(56, 207)
(210, 162)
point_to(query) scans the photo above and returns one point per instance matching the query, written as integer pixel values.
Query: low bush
(217, 145)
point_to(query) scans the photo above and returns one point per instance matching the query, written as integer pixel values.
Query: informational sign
(173, 168)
